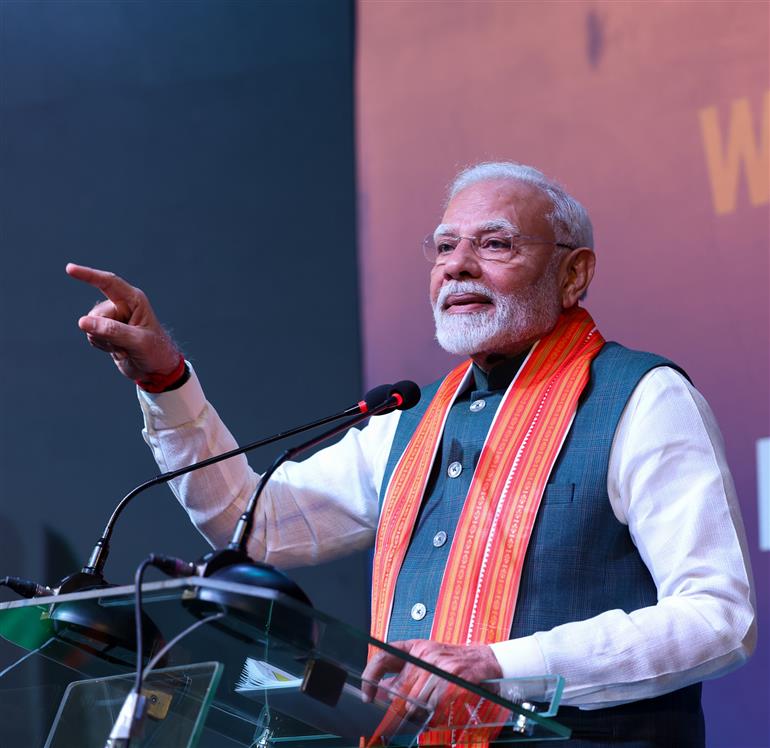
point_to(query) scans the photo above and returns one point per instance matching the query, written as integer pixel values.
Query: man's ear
(577, 271)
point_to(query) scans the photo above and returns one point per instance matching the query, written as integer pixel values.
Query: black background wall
(203, 150)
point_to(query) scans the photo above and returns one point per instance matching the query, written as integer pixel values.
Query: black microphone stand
(91, 576)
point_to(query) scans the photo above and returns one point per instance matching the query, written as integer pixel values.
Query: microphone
(405, 394)
(91, 575)
(400, 396)
(233, 564)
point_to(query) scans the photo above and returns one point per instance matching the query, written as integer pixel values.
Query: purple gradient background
(604, 97)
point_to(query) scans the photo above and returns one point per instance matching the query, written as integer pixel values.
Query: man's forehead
(496, 200)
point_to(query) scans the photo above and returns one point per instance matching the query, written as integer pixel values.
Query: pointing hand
(125, 326)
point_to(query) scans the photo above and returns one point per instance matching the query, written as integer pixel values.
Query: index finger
(112, 286)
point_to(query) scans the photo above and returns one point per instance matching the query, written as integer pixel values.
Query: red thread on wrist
(156, 383)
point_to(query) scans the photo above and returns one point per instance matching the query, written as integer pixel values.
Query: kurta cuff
(170, 410)
(519, 658)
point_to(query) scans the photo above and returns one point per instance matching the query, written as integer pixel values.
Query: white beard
(516, 319)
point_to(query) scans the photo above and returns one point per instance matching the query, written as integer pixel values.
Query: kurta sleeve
(310, 511)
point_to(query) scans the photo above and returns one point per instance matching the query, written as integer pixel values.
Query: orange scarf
(477, 598)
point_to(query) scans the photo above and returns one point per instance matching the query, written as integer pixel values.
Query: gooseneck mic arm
(91, 575)
(400, 396)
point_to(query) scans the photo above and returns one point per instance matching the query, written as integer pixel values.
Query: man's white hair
(568, 218)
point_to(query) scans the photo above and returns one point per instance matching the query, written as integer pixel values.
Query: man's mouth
(466, 303)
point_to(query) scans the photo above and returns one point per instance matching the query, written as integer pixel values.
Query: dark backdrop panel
(203, 150)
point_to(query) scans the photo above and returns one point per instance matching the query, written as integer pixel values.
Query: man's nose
(463, 260)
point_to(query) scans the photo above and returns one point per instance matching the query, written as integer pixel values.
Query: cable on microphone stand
(130, 721)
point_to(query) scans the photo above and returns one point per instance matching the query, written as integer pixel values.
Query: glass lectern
(255, 668)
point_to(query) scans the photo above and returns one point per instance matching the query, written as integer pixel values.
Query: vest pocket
(559, 493)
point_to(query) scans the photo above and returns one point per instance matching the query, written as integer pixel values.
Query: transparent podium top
(254, 668)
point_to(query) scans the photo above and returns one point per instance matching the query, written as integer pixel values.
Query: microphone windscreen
(377, 396)
(409, 391)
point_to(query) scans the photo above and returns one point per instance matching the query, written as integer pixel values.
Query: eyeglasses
(496, 246)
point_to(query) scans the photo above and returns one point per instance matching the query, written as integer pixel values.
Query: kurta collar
(500, 375)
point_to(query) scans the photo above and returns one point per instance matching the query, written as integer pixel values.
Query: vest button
(419, 611)
(439, 539)
(478, 405)
(454, 469)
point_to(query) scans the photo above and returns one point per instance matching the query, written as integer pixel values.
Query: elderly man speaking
(555, 504)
